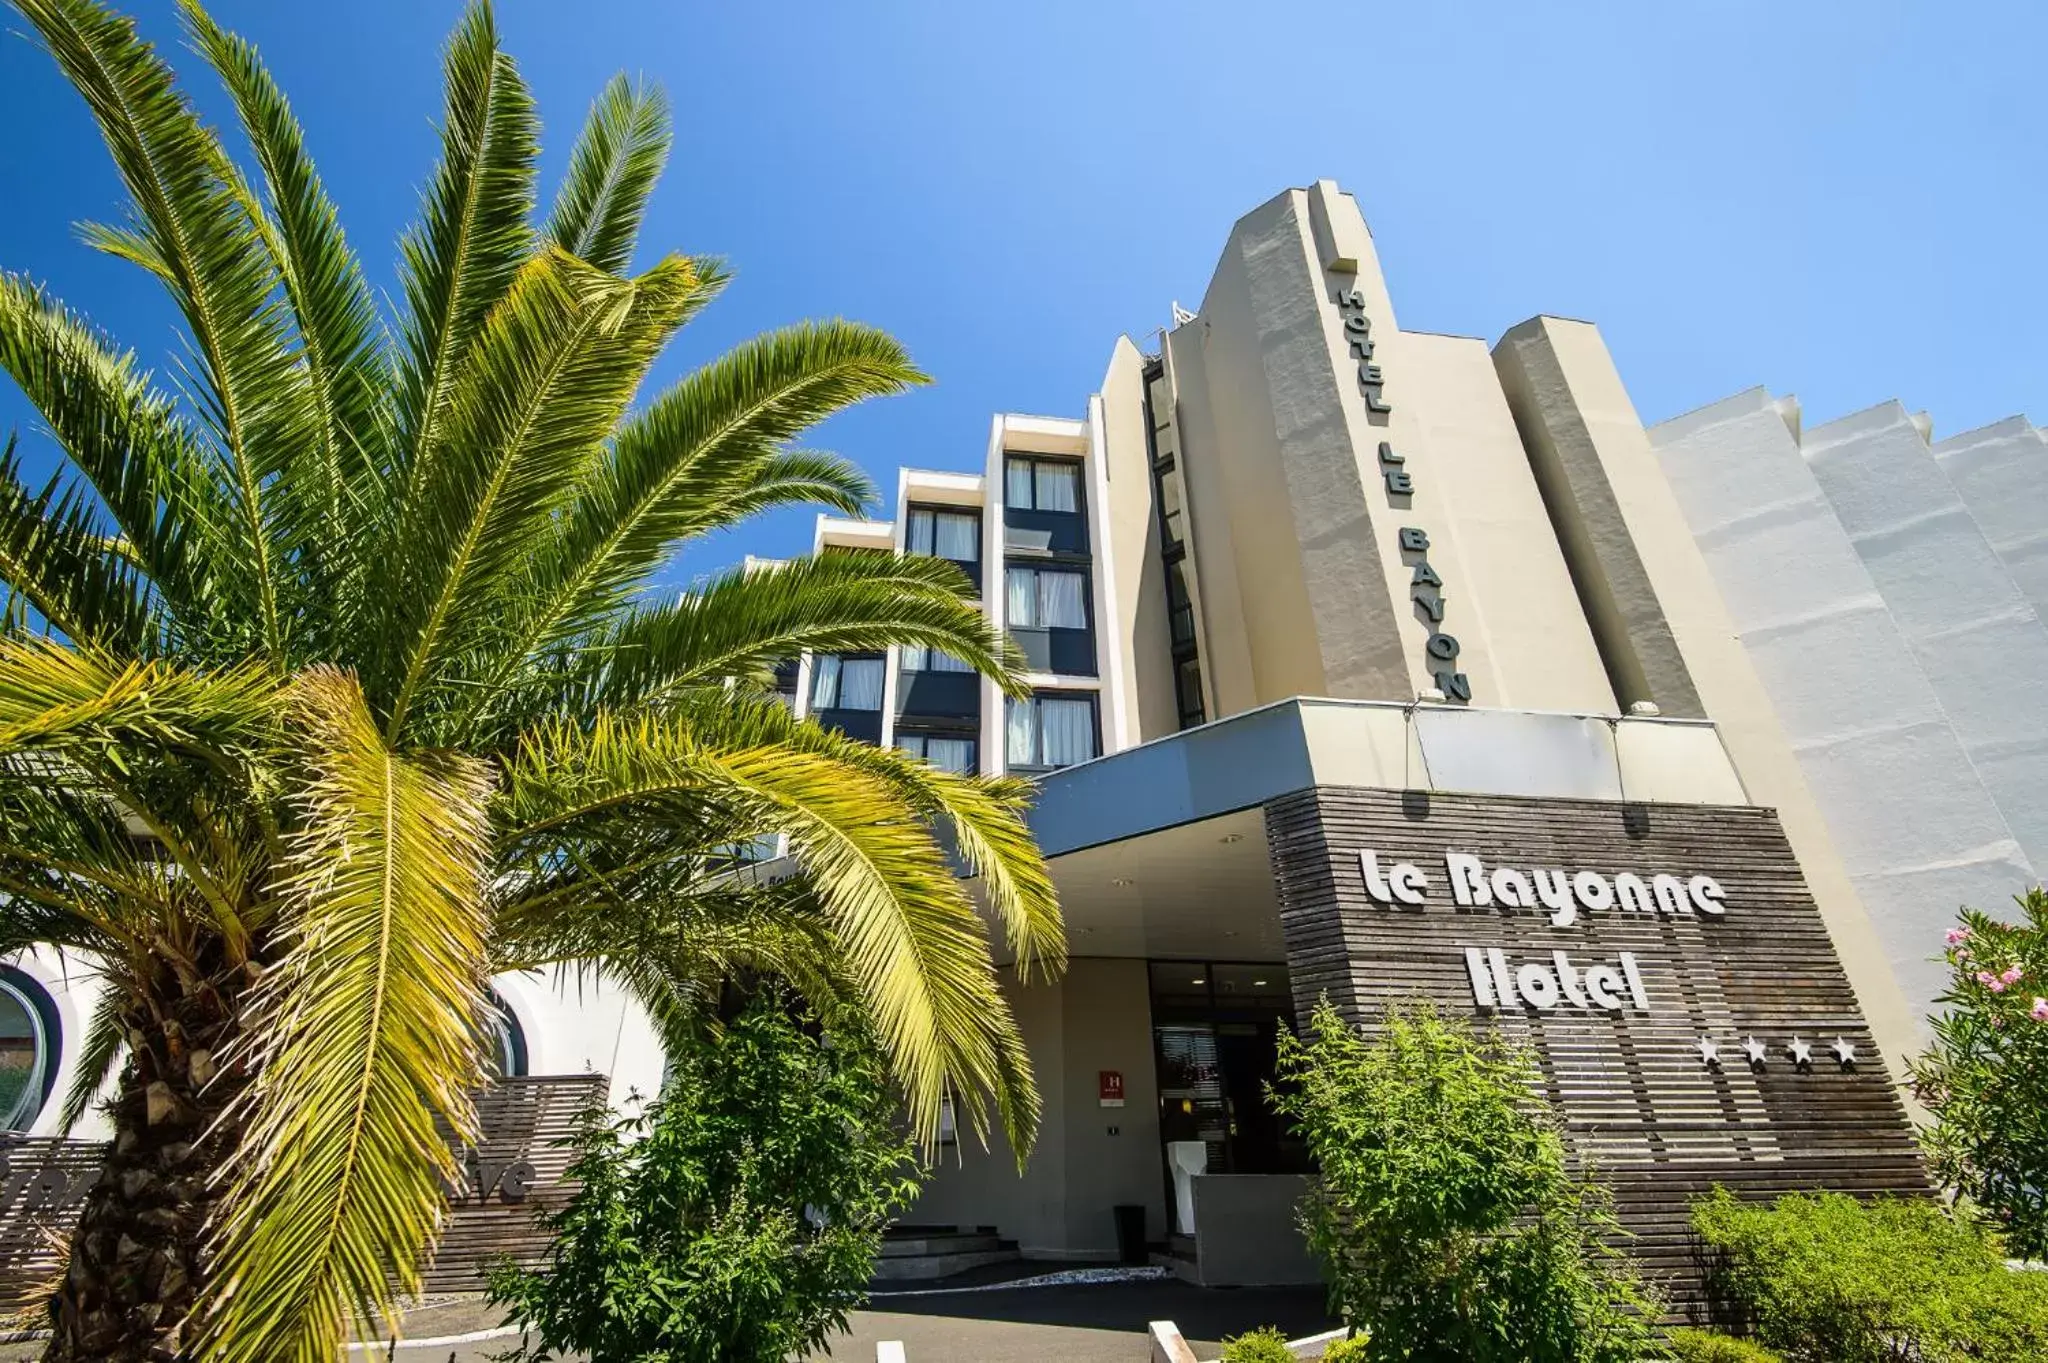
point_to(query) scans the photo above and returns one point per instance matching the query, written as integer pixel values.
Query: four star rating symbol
(1799, 1051)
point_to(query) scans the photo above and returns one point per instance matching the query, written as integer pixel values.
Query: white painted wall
(2001, 473)
(1973, 631)
(571, 1027)
(1915, 826)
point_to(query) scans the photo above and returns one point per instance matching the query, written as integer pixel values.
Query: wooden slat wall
(522, 1119)
(43, 1182)
(1639, 1105)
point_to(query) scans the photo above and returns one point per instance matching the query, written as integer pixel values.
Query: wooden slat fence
(518, 1169)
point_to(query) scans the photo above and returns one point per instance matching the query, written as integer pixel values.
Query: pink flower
(2040, 1010)
(1956, 935)
(2011, 975)
(1986, 978)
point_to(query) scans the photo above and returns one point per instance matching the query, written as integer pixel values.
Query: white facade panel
(1975, 634)
(2001, 473)
(1917, 828)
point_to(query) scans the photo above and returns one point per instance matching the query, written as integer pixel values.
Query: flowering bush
(1986, 1077)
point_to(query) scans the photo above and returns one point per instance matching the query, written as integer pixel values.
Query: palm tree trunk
(138, 1255)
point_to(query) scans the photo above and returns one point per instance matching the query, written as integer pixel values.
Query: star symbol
(1845, 1052)
(1710, 1054)
(1801, 1053)
(1754, 1049)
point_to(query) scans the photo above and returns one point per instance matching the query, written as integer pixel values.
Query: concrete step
(911, 1247)
(924, 1267)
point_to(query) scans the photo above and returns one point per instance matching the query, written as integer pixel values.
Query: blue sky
(1839, 200)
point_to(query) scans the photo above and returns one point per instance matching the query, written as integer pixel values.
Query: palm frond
(743, 623)
(333, 488)
(191, 212)
(53, 552)
(791, 478)
(69, 872)
(909, 932)
(78, 700)
(675, 941)
(550, 375)
(474, 230)
(97, 1056)
(984, 816)
(618, 157)
(364, 1041)
(695, 450)
(152, 478)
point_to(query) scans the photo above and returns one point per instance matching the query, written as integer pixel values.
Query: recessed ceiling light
(1123, 881)
(1231, 837)
(1198, 980)
(1258, 984)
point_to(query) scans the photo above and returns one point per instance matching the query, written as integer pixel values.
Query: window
(29, 1049)
(1180, 608)
(1041, 484)
(1187, 691)
(1169, 507)
(504, 1040)
(1048, 598)
(1051, 731)
(947, 754)
(945, 534)
(846, 683)
(931, 660)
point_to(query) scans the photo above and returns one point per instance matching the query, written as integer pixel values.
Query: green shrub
(1352, 1349)
(1704, 1346)
(1257, 1346)
(1442, 1210)
(738, 1219)
(1826, 1277)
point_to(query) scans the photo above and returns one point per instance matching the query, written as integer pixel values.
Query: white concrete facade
(1918, 828)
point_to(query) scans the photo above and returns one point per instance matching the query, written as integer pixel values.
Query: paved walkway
(1095, 1324)
(1101, 1323)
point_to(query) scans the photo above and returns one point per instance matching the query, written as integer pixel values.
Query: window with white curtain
(1047, 598)
(947, 754)
(825, 682)
(1050, 731)
(945, 534)
(1042, 484)
(916, 659)
(846, 683)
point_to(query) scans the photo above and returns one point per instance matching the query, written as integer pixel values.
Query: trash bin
(1130, 1234)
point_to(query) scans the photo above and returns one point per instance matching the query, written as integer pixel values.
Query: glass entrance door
(1216, 1027)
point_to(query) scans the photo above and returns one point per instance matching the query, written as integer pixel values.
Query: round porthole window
(31, 1044)
(504, 1040)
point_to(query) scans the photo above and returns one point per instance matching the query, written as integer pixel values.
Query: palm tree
(331, 682)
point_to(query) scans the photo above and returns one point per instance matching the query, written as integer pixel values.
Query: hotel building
(1373, 663)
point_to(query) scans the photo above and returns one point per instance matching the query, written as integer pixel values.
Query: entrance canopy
(1160, 851)
(1193, 891)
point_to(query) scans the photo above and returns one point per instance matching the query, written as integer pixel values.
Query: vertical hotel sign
(1425, 587)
